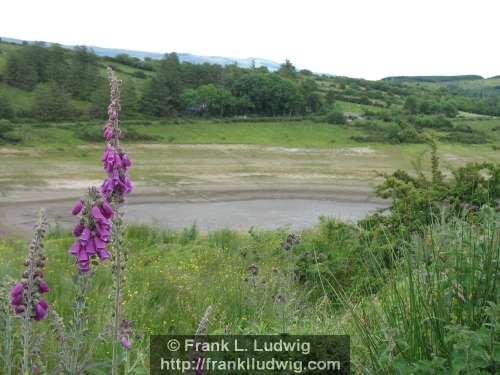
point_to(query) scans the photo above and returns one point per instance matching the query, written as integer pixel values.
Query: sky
(368, 39)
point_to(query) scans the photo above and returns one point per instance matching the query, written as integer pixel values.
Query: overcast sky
(358, 38)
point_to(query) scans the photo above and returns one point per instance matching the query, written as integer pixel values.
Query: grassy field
(328, 284)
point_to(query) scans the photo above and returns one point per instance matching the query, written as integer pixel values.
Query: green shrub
(390, 133)
(465, 138)
(139, 74)
(6, 108)
(433, 122)
(463, 128)
(8, 133)
(335, 117)
(52, 103)
(418, 200)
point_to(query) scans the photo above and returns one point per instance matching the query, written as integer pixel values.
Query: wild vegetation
(415, 285)
(417, 289)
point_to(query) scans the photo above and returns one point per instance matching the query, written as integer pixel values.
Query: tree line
(61, 79)
(63, 83)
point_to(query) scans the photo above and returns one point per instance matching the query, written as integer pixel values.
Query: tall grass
(439, 311)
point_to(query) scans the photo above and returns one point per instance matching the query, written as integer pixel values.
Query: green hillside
(41, 84)
(183, 89)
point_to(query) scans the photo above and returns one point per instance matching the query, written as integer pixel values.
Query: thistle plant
(26, 295)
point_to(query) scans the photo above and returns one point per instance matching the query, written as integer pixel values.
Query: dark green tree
(20, 72)
(330, 98)
(58, 68)
(287, 69)
(52, 103)
(84, 73)
(312, 98)
(270, 94)
(411, 105)
(6, 107)
(162, 95)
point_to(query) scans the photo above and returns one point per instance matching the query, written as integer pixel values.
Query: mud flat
(210, 210)
(244, 214)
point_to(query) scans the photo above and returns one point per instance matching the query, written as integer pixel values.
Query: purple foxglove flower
(83, 256)
(85, 236)
(105, 152)
(42, 286)
(106, 210)
(127, 185)
(40, 312)
(116, 175)
(97, 214)
(125, 342)
(43, 303)
(75, 248)
(77, 231)
(90, 247)
(108, 158)
(103, 229)
(126, 161)
(17, 290)
(77, 208)
(83, 266)
(99, 243)
(108, 133)
(103, 254)
(107, 187)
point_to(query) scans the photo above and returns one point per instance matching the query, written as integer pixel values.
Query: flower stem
(117, 236)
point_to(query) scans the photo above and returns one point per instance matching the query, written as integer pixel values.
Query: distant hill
(433, 79)
(183, 57)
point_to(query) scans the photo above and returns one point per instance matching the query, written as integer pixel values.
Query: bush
(52, 103)
(391, 133)
(418, 201)
(433, 122)
(8, 133)
(6, 108)
(404, 134)
(336, 117)
(139, 74)
(464, 128)
(465, 138)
